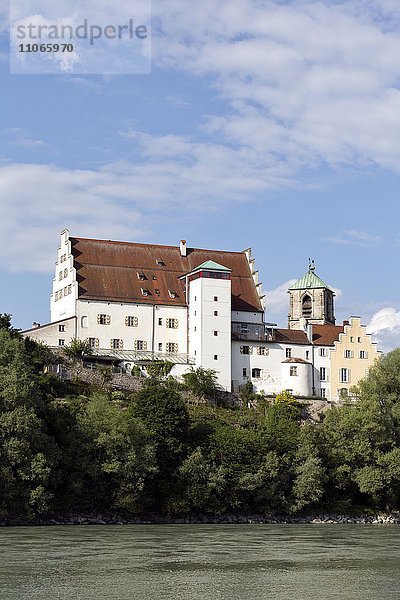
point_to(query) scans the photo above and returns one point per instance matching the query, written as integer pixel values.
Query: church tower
(311, 301)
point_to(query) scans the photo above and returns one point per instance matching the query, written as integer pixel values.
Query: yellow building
(351, 358)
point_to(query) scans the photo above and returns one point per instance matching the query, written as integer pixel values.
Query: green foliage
(101, 450)
(159, 369)
(201, 382)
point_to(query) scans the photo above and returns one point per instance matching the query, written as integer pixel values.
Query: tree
(5, 323)
(159, 369)
(77, 349)
(202, 382)
(165, 417)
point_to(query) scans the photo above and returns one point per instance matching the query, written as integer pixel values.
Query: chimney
(182, 247)
(346, 322)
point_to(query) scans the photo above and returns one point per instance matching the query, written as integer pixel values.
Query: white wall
(64, 282)
(247, 317)
(203, 344)
(51, 333)
(148, 328)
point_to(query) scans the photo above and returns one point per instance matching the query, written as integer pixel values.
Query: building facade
(135, 303)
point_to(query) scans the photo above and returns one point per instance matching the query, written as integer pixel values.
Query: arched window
(306, 305)
(84, 322)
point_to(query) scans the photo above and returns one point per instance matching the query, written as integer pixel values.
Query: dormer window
(141, 276)
(160, 262)
(145, 292)
(172, 294)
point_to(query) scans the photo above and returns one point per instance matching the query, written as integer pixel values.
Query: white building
(137, 303)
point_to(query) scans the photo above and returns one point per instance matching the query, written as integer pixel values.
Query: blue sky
(274, 125)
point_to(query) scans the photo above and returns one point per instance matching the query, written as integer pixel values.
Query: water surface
(200, 562)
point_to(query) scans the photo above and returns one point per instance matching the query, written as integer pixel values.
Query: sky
(268, 124)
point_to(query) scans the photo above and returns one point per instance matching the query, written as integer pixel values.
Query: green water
(184, 562)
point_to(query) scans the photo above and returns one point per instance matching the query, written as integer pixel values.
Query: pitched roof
(326, 335)
(210, 264)
(309, 281)
(116, 271)
(323, 335)
(290, 336)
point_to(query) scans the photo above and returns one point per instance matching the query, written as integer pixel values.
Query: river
(200, 562)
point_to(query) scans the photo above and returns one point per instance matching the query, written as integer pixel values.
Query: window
(70, 289)
(116, 344)
(84, 322)
(66, 291)
(61, 328)
(289, 391)
(246, 350)
(363, 354)
(93, 342)
(141, 276)
(65, 272)
(307, 354)
(140, 345)
(172, 323)
(160, 347)
(306, 307)
(61, 342)
(359, 340)
(351, 339)
(55, 296)
(195, 298)
(244, 372)
(145, 291)
(215, 313)
(322, 374)
(195, 328)
(215, 356)
(103, 319)
(348, 353)
(256, 373)
(293, 371)
(262, 350)
(343, 392)
(160, 262)
(131, 321)
(215, 298)
(288, 353)
(344, 375)
(323, 352)
(323, 392)
(244, 328)
(216, 333)
(172, 347)
(160, 321)
(172, 294)
(60, 276)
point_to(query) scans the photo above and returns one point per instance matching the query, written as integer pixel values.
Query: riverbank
(200, 519)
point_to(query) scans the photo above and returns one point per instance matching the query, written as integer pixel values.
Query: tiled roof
(118, 271)
(309, 281)
(326, 335)
(297, 361)
(323, 335)
(290, 336)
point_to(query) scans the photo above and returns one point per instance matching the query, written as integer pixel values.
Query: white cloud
(278, 300)
(353, 237)
(306, 83)
(385, 328)
(20, 138)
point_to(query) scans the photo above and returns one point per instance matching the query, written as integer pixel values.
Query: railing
(143, 355)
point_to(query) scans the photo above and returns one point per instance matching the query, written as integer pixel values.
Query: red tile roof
(326, 335)
(108, 270)
(323, 335)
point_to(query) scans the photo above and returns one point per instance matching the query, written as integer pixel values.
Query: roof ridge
(154, 245)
